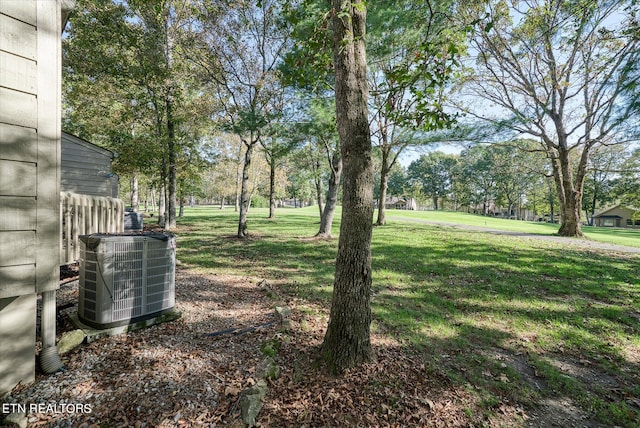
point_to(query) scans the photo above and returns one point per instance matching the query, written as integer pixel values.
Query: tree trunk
(244, 192)
(318, 182)
(239, 175)
(181, 210)
(135, 194)
(347, 340)
(222, 203)
(594, 199)
(570, 195)
(272, 188)
(435, 202)
(172, 196)
(161, 207)
(153, 199)
(326, 219)
(384, 186)
(571, 217)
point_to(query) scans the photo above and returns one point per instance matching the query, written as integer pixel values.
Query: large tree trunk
(347, 341)
(245, 197)
(326, 219)
(570, 194)
(571, 216)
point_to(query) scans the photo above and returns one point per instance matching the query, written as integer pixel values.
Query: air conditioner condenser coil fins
(125, 278)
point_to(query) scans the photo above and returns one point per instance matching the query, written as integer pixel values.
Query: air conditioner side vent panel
(125, 278)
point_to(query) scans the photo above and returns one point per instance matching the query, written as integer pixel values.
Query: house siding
(86, 168)
(618, 216)
(29, 176)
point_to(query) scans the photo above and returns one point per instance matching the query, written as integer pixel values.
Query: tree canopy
(559, 71)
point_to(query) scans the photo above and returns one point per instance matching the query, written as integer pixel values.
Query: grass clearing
(513, 320)
(628, 237)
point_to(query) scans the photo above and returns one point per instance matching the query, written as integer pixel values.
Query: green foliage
(415, 65)
(398, 181)
(600, 180)
(309, 62)
(125, 85)
(628, 186)
(271, 348)
(259, 201)
(434, 173)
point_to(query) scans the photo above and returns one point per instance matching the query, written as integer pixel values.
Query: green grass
(462, 298)
(629, 237)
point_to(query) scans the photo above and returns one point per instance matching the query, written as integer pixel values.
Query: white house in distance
(30, 113)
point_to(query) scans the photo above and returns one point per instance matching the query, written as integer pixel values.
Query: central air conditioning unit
(125, 278)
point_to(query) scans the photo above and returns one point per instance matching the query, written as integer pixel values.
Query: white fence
(84, 215)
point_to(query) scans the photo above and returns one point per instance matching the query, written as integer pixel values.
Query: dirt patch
(519, 364)
(583, 371)
(561, 412)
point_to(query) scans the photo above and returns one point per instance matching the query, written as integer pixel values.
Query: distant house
(396, 203)
(86, 168)
(88, 194)
(618, 216)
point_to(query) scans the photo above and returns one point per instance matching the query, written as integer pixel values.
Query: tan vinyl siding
(21, 10)
(18, 73)
(18, 38)
(29, 176)
(18, 143)
(17, 361)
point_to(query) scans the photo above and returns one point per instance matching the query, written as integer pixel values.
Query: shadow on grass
(544, 301)
(462, 298)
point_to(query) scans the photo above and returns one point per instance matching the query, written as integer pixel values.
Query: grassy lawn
(506, 318)
(629, 237)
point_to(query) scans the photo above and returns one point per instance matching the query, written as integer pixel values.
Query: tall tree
(275, 149)
(239, 49)
(124, 53)
(477, 170)
(560, 70)
(414, 52)
(435, 173)
(347, 340)
(320, 130)
(413, 49)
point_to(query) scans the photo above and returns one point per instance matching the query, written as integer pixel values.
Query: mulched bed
(174, 375)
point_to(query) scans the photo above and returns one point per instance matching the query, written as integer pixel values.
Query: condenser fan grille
(125, 278)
